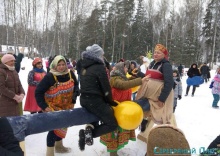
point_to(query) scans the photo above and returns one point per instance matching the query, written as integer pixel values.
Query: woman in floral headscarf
(58, 90)
(121, 91)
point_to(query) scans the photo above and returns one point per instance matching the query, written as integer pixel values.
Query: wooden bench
(144, 135)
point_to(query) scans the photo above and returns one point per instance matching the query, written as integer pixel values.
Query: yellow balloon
(128, 115)
(128, 75)
(135, 89)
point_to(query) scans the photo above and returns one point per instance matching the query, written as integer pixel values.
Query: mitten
(211, 85)
(180, 97)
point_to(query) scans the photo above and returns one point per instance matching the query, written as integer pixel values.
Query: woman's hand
(48, 109)
(160, 104)
(146, 78)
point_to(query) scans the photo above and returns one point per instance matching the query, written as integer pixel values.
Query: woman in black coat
(192, 72)
(96, 95)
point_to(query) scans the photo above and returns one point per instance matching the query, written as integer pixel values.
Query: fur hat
(161, 48)
(36, 60)
(167, 138)
(95, 50)
(6, 58)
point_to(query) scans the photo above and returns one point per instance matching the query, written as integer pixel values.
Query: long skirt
(30, 103)
(117, 139)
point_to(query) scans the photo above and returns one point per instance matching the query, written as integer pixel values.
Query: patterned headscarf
(54, 63)
(119, 70)
(163, 49)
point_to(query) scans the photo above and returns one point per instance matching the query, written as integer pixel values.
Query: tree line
(123, 28)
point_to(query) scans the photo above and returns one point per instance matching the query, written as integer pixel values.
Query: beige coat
(9, 86)
(151, 90)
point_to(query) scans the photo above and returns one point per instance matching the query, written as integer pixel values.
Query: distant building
(6, 48)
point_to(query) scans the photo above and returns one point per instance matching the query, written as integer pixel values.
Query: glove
(113, 103)
(180, 97)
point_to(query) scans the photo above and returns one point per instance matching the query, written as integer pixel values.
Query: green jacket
(120, 83)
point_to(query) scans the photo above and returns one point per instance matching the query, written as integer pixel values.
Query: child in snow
(216, 89)
(177, 87)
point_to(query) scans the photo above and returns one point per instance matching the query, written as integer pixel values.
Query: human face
(158, 55)
(61, 66)
(132, 66)
(39, 65)
(175, 74)
(125, 69)
(10, 63)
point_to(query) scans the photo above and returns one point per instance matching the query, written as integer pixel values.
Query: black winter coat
(94, 79)
(204, 69)
(193, 71)
(9, 145)
(49, 81)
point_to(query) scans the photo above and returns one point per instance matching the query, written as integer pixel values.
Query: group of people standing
(58, 89)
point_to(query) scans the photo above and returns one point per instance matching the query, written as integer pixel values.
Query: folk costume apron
(120, 137)
(59, 97)
(30, 103)
(151, 90)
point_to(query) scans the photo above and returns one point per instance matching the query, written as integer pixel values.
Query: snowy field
(194, 116)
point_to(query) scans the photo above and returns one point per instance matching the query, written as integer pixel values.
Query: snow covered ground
(194, 116)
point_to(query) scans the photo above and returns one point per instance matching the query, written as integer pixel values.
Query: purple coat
(216, 85)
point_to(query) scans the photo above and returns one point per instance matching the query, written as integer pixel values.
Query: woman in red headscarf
(156, 94)
(34, 78)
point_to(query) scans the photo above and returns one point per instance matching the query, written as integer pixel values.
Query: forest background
(190, 29)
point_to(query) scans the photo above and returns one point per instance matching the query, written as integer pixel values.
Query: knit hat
(6, 58)
(161, 48)
(36, 60)
(167, 138)
(95, 50)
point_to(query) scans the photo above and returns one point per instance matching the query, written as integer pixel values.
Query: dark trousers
(215, 101)
(51, 138)
(193, 91)
(97, 106)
